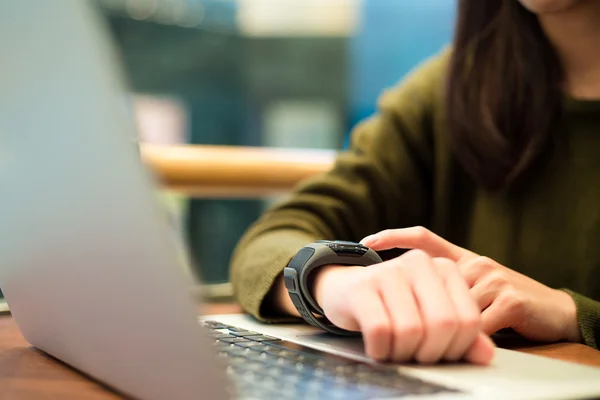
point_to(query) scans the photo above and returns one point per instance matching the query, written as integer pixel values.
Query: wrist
(320, 279)
(572, 333)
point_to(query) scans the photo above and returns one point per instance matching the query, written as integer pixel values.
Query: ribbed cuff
(588, 317)
(256, 267)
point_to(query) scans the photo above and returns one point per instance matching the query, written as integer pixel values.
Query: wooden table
(26, 373)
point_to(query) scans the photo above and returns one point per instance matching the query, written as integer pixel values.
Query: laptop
(91, 271)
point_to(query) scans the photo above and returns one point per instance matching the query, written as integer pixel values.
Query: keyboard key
(255, 346)
(256, 367)
(284, 353)
(221, 336)
(215, 325)
(236, 329)
(261, 338)
(275, 372)
(235, 351)
(244, 333)
(233, 339)
(236, 360)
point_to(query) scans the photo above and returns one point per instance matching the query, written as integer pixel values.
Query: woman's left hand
(507, 299)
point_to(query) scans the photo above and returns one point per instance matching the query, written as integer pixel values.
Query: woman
(493, 146)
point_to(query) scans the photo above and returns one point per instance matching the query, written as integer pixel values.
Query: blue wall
(395, 35)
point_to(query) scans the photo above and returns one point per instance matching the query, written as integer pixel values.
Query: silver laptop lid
(86, 262)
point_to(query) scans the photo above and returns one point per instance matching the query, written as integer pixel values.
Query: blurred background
(276, 73)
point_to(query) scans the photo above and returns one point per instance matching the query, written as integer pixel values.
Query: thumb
(414, 238)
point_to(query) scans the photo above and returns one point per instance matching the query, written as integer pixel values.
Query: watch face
(343, 242)
(342, 247)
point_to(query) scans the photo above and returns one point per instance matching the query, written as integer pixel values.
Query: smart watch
(322, 252)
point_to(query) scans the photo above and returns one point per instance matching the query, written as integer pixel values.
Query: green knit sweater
(399, 171)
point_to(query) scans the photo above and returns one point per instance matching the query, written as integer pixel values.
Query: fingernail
(369, 240)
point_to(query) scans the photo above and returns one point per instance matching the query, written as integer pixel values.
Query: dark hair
(503, 98)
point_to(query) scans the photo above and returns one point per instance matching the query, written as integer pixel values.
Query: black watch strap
(313, 256)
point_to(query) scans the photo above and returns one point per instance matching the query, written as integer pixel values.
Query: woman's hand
(506, 298)
(412, 307)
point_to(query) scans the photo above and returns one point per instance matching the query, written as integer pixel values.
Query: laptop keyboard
(264, 367)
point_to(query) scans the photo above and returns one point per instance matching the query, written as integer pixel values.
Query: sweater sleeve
(382, 181)
(588, 317)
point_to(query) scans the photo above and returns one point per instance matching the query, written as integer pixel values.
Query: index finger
(415, 238)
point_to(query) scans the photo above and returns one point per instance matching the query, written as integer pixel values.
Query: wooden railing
(230, 171)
